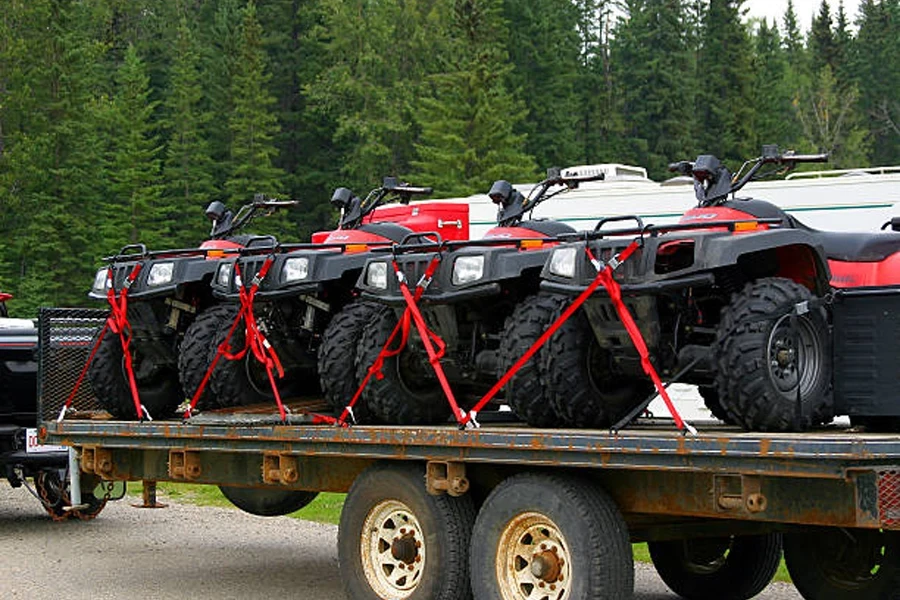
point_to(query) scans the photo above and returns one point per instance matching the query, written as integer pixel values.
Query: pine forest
(120, 120)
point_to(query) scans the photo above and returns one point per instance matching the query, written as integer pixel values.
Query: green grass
(326, 508)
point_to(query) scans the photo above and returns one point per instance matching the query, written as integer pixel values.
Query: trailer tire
(397, 541)
(337, 358)
(729, 568)
(582, 385)
(198, 349)
(392, 398)
(267, 502)
(553, 530)
(526, 392)
(758, 367)
(826, 564)
(159, 392)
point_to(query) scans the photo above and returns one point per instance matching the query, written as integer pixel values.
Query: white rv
(837, 200)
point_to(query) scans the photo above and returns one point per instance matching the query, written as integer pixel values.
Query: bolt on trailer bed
(429, 508)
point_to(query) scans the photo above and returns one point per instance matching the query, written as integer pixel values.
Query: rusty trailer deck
(829, 477)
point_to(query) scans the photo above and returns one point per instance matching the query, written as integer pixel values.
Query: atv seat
(858, 247)
(547, 228)
(391, 231)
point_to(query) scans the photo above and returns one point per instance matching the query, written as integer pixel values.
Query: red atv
(306, 305)
(736, 299)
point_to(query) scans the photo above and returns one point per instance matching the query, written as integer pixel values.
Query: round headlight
(376, 275)
(467, 269)
(161, 273)
(100, 281)
(562, 262)
(295, 269)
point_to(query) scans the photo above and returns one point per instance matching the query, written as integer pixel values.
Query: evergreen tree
(726, 96)
(876, 63)
(188, 167)
(253, 124)
(545, 56)
(468, 122)
(822, 45)
(776, 122)
(134, 162)
(653, 68)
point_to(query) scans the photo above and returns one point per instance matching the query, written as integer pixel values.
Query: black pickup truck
(22, 457)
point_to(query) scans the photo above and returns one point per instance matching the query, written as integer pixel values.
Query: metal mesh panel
(65, 341)
(889, 498)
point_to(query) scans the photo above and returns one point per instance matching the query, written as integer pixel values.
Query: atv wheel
(762, 361)
(157, 384)
(198, 349)
(337, 358)
(584, 384)
(408, 393)
(711, 400)
(525, 392)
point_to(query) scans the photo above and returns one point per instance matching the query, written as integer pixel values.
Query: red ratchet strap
(254, 340)
(401, 331)
(605, 278)
(117, 322)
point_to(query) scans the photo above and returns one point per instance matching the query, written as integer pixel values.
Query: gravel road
(186, 551)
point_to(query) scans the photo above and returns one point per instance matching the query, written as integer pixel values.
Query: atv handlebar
(606, 220)
(353, 209)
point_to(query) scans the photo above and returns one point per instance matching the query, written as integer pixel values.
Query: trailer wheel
(53, 491)
(395, 541)
(264, 502)
(408, 393)
(157, 383)
(584, 384)
(833, 563)
(525, 392)
(760, 363)
(337, 358)
(550, 536)
(198, 349)
(729, 568)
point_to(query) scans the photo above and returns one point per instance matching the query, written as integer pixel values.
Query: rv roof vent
(611, 171)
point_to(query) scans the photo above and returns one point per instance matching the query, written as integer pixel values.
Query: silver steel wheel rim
(794, 360)
(392, 547)
(533, 559)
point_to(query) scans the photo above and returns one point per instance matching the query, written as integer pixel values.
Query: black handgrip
(424, 235)
(606, 220)
(141, 247)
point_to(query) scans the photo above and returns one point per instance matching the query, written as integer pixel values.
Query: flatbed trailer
(509, 512)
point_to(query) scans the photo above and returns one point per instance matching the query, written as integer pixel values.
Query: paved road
(186, 551)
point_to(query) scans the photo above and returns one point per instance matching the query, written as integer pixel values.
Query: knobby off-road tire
(582, 382)
(267, 502)
(729, 568)
(157, 385)
(337, 358)
(832, 563)
(408, 393)
(526, 392)
(199, 348)
(552, 534)
(396, 541)
(711, 400)
(243, 381)
(760, 362)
